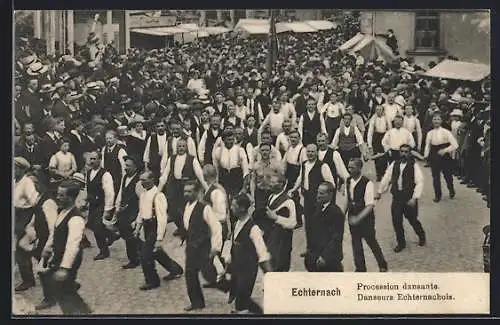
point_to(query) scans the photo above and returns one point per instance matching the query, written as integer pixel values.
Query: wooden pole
(70, 26)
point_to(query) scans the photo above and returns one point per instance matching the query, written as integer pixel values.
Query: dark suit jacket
(61, 110)
(34, 157)
(327, 233)
(48, 147)
(32, 100)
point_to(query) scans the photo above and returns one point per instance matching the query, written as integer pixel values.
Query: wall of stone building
(402, 22)
(463, 38)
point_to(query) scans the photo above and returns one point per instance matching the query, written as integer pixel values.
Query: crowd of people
(203, 136)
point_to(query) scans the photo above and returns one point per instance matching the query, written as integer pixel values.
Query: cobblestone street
(454, 240)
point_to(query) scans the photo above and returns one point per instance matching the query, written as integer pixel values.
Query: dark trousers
(381, 162)
(176, 201)
(149, 256)
(309, 209)
(242, 283)
(280, 248)
(291, 174)
(365, 230)
(132, 243)
(311, 266)
(64, 292)
(348, 154)
(101, 233)
(23, 257)
(440, 165)
(197, 260)
(231, 180)
(398, 210)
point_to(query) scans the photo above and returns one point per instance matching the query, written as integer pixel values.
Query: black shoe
(23, 286)
(149, 286)
(383, 269)
(421, 241)
(172, 276)
(191, 308)
(101, 256)
(45, 304)
(399, 248)
(130, 265)
(436, 199)
(452, 195)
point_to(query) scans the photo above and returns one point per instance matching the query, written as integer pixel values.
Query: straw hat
(22, 163)
(78, 177)
(457, 112)
(455, 99)
(36, 69)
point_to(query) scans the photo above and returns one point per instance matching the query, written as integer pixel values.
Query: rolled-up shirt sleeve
(76, 226)
(340, 166)
(219, 206)
(109, 191)
(291, 221)
(453, 142)
(215, 228)
(369, 194)
(260, 245)
(327, 174)
(160, 203)
(419, 183)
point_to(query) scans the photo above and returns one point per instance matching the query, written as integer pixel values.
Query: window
(427, 30)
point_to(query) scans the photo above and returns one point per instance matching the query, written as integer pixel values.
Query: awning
(160, 31)
(261, 29)
(189, 27)
(352, 42)
(297, 27)
(450, 69)
(215, 30)
(242, 22)
(321, 24)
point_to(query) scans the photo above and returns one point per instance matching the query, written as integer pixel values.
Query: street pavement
(454, 244)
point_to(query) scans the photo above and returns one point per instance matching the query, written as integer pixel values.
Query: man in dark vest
(209, 139)
(231, 163)
(176, 134)
(155, 148)
(361, 218)
(407, 184)
(112, 159)
(248, 252)
(216, 197)
(251, 131)
(347, 140)
(310, 123)
(281, 211)
(325, 252)
(377, 127)
(293, 159)
(152, 215)
(101, 198)
(312, 174)
(333, 159)
(203, 235)
(181, 167)
(62, 255)
(127, 207)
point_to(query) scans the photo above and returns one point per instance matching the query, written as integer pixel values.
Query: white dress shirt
(162, 144)
(256, 237)
(288, 111)
(191, 149)
(369, 196)
(377, 124)
(394, 138)
(76, 227)
(292, 155)
(282, 141)
(412, 124)
(211, 220)
(218, 197)
(286, 222)
(147, 200)
(107, 186)
(336, 137)
(275, 121)
(390, 111)
(337, 160)
(25, 193)
(419, 180)
(333, 110)
(439, 136)
(231, 158)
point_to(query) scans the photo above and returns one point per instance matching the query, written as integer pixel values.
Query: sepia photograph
(165, 160)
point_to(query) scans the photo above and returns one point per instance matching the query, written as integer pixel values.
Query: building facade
(429, 34)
